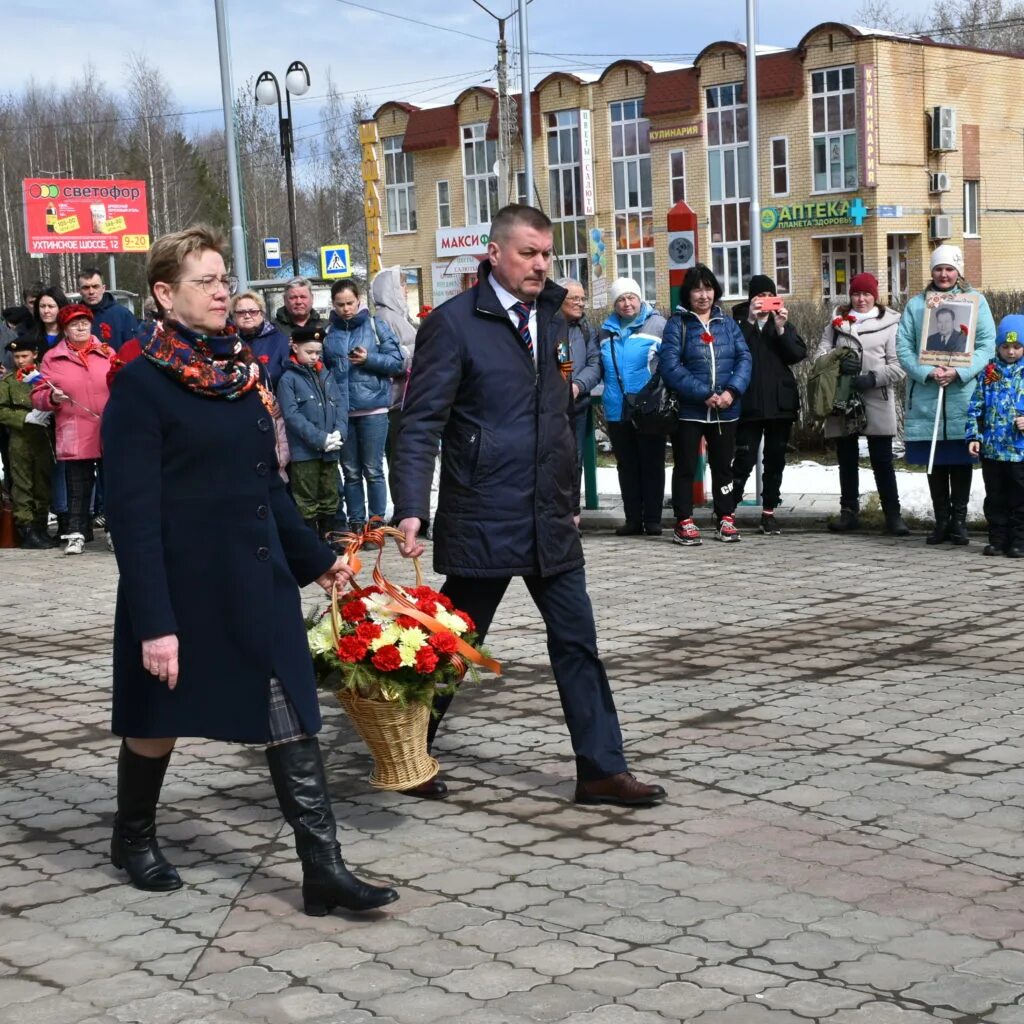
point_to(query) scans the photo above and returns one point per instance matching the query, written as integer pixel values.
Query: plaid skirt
(285, 726)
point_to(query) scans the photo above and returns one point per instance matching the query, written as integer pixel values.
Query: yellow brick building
(873, 149)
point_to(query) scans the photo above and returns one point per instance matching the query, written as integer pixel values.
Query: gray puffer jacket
(391, 308)
(877, 336)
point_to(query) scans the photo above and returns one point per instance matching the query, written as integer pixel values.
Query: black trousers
(81, 477)
(1004, 503)
(721, 444)
(880, 454)
(582, 682)
(749, 435)
(640, 461)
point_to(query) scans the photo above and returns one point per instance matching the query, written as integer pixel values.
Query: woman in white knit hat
(950, 479)
(629, 340)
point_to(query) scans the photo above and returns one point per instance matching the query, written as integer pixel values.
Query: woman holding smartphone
(364, 356)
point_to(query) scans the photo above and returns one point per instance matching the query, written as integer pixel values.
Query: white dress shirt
(508, 300)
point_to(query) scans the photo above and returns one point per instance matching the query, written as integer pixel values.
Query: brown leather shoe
(622, 789)
(432, 789)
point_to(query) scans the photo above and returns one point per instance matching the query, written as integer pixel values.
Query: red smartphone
(771, 303)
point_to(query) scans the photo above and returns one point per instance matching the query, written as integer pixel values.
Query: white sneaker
(110, 543)
(76, 542)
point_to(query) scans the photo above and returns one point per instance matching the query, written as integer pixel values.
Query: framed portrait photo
(948, 330)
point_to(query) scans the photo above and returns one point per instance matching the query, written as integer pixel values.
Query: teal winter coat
(922, 393)
(636, 354)
(997, 401)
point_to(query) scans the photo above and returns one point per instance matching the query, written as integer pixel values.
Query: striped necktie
(522, 312)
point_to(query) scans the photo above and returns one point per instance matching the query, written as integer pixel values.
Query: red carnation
(851, 318)
(444, 602)
(387, 659)
(838, 322)
(964, 329)
(427, 605)
(426, 660)
(353, 611)
(105, 331)
(351, 648)
(264, 359)
(368, 631)
(470, 624)
(707, 337)
(445, 643)
(406, 622)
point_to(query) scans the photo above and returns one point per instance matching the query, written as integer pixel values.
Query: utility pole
(504, 126)
(526, 127)
(755, 189)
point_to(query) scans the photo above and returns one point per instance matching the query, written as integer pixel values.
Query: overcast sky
(367, 52)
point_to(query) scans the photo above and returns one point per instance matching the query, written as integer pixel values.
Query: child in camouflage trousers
(31, 450)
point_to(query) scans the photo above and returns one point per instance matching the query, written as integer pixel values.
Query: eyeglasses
(575, 298)
(211, 283)
(248, 312)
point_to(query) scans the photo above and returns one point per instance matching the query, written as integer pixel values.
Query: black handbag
(654, 409)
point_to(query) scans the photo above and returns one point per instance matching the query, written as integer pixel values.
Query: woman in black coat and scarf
(772, 402)
(209, 638)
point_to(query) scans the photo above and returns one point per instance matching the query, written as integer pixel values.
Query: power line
(415, 21)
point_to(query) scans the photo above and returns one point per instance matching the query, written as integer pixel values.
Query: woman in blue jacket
(706, 361)
(364, 355)
(629, 341)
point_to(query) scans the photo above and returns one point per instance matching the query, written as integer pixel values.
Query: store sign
(690, 130)
(463, 265)
(443, 286)
(80, 215)
(368, 139)
(868, 127)
(830, 214)
(471, 241)
(587, 164)
(598, 252)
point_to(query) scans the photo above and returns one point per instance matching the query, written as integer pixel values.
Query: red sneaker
(686, 532)
(727, 530)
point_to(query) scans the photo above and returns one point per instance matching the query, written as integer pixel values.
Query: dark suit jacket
(211, 548)
(509, 478)
(957, 342)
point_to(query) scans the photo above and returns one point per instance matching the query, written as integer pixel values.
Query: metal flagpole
(755, 185)
(526, 110)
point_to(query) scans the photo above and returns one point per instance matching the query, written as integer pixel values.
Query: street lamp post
(268, 92)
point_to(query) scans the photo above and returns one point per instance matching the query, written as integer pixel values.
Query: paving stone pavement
(839, 723)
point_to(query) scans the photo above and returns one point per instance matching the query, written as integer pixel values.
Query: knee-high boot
(938, 485)
(959, 495)
(297, 771)
(133, 846)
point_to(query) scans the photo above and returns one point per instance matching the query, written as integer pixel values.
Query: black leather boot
(297, 771)
(894, 523)
(848, 520)
(959, 495)
(938, 486)
(133, 847)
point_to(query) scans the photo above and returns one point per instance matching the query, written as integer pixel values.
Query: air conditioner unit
(938, 182)
(939, 226)
(943, 128)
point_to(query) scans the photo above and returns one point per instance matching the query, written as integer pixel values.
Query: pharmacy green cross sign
(825, 214)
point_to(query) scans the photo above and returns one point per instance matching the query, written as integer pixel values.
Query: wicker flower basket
(397, 738)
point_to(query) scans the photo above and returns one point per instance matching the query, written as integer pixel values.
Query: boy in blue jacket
(315, 415)
(995, 430)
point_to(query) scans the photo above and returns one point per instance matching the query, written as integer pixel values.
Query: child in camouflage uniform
(995, 428)
(31, 449)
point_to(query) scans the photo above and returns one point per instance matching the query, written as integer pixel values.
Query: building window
(444, 205)
(399, 186)
(520, 196)
(834, 129)
(729, 187)
(676, 176)
(972, 209)
(783, 267)
(565, 189)
(632, 195)
(780, 166)
(899, 267)
(479, 155)
(842, 257)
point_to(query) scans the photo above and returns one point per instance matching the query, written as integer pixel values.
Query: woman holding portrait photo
(943, 390)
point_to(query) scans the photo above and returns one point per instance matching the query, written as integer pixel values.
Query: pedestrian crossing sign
(334, 261)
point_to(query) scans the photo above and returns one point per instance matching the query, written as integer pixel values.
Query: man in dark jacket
(111, 322)
(772, 402)
(298, 310)
(486, 382)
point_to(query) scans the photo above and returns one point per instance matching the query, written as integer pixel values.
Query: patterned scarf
(215, 366)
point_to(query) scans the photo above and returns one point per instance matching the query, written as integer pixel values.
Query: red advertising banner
(77, 215)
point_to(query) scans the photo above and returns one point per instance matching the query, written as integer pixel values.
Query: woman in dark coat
(209, 638)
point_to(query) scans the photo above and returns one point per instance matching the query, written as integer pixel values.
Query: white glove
(333, 442)
(38, 417)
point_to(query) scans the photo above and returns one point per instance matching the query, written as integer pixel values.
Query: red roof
(432, 129)
(672, 92)
(492, 124)
(780, 76)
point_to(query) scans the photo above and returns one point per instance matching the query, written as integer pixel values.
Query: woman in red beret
(74, 387)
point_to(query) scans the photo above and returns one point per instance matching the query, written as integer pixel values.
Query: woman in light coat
(950, 479)
(868, 330)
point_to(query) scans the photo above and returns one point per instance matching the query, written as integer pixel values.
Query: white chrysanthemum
(389, 635)
(375, 608)
(321, 636)
(413, 638)
(450, 621)
(407, 655)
